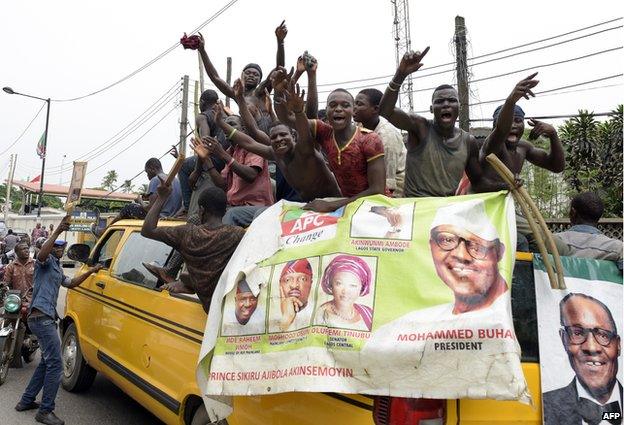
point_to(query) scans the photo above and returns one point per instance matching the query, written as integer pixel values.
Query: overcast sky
(70, 48)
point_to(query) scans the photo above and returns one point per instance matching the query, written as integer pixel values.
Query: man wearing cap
(238, 320)
(295, 284)
(466, 250)
(48, 278)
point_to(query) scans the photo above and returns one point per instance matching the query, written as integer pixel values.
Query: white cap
(469, 215)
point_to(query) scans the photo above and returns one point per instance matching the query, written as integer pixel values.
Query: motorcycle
(17, 343)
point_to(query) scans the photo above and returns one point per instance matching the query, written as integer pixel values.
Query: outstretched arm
(553, 161)
(212, 71)
(496, 140)
(47, 246)
(248, 120)
(411, 62)
(241, 139)
(281, 82)
(280, 35)
(294, 102)
(202, 149)
(312, 101)
(150, 223)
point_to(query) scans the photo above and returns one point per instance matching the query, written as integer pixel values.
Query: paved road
(104, 403)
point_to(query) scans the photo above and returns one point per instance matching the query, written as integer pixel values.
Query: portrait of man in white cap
(466, 250)
(243, 317)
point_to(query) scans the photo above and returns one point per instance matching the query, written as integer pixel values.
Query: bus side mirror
(79, 252)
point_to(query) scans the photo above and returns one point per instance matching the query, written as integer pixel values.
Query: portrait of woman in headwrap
(346, 278)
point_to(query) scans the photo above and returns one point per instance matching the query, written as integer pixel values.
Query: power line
(531, 68)
(135, 142)
(126, 131)
(545, 91)
(555, 89)
(153, 61)
(547, 46)
(484, 55)
(23, 132)
(545, 117)
(546, 39)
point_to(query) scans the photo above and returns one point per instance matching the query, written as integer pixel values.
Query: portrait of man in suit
(591, 341)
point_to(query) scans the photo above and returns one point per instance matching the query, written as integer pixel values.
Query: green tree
(594, 157)
(109, 180)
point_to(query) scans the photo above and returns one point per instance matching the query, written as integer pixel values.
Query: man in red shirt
(245, 177)
(355, 155)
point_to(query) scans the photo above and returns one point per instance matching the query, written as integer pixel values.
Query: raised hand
(202, 42)
(411, 62)
(174, 151)
(281, 79)
(541, 128)
(295, 98)
(281, 31)
(239, 90)
(523, 88)
(64, 225)
(163, 190)
(201, 150)
(213, 146)
(218, 111)
(301, 65)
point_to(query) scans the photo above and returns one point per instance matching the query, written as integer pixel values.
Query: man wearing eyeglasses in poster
(466, 250)
(589, 336)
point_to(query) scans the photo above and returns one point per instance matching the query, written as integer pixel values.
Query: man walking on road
(48, 278)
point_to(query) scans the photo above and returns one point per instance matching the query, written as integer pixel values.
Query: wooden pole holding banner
(75, 186)
(536, 222)
(175, 169)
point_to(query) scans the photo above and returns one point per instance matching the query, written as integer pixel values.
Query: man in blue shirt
(48, 278)
(154, 171)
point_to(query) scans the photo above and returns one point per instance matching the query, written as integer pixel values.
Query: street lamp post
(9, 90)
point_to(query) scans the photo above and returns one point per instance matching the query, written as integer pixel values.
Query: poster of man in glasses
(580, 346)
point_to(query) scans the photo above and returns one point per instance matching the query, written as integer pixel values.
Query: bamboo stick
(538, 227)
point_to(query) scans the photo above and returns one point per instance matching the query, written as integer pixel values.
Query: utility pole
(228, 78)
(402, 45)
(462, 73)
(184, 116)
(7, 200)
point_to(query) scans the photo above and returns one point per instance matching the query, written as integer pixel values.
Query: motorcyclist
(19, 273)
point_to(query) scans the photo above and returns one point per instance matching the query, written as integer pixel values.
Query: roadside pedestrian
(48, 278)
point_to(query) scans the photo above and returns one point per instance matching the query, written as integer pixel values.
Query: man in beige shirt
(366, 112)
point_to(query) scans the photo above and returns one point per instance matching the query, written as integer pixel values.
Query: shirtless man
(506, 142)
(302, 166)
(251, 76)
(438, 153)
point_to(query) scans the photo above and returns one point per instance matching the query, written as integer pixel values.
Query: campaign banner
(401, 297)
(579, 332)
(75, 186)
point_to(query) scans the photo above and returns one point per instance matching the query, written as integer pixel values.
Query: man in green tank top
(438, 152)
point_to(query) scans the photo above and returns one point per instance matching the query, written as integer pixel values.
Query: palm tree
(109, 180)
